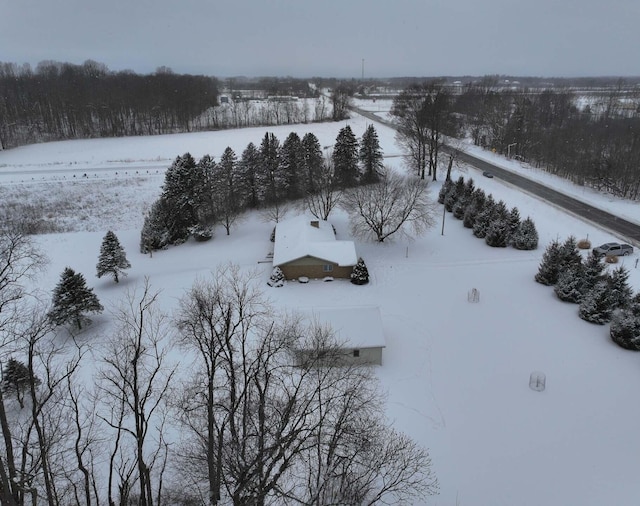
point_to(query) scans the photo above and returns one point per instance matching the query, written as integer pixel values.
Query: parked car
(613, 249)
(486, 173)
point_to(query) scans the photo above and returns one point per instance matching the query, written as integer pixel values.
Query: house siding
(312, 267)
(368, 356)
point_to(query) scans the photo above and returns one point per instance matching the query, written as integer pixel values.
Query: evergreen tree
(460, 207)
(570, 254)
(270, 175)
(444, 189)
(593, 271)
(549, 269)
(360, 274)
(597, 305)
(207, 204)
(16, 379)
(619, 289)
(249, 182)
(226, 189)
(526, 237)
(345, 159)
(292, 166)
(112, 259)
(469, 188)
(155, 232)
(514, 223)
(569, 287)
(312, 162)
(454, 193)
(484, 218)
(497, 235)
(182, 190)
(277, 278)
(370, 156)
(625, 326)
(72, 299)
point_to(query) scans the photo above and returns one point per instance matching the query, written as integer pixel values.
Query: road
(619, 226)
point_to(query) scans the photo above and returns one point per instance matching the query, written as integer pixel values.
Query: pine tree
(277, 278)
(155, 232)
(345, 159)
(597, 305)
(625, 326)
(593, 271)
(292, 165)
(497, 235)
(16, 379)
(569, 287)
(549, 269)
(226, 189)
(312, 162)
(570, 254)
(249, 183)
(484, 218)
(526, 237)
(444, 189)
(112, 259)
(514, 223)
(360, 274)
(620, 291)
(370, 156)
(72, 299)
(270, 175)
(182, 191)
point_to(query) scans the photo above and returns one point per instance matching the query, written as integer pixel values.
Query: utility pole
(363, 69)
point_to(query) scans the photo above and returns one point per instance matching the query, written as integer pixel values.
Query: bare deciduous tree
(326, 196)
(136, 376)
(395, 205)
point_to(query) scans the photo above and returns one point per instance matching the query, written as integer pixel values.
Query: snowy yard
(456, 373)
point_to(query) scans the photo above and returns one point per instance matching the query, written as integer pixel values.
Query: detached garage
(357, 329)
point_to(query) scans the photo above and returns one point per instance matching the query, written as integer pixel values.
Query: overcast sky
(306, 38)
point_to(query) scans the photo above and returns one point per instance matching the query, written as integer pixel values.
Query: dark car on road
(486, 173)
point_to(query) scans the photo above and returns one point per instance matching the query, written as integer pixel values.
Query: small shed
(306, 246)
(358, 331)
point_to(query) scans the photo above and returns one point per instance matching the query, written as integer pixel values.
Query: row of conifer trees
(489, 220)
(603, 296)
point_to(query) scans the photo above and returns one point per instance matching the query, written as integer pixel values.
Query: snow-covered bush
(596, 305)
(549, 268)
(277, 278)
(497, 235)
(202, 233)
(360, 274)
(569, 285)
(625, 327)
(526, 236)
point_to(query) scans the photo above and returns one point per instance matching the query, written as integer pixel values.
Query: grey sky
(330, 37)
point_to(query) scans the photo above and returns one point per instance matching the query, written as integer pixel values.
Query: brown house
(308, 247)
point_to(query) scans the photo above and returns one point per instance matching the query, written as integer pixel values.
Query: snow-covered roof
(354, 326)
(307, 236)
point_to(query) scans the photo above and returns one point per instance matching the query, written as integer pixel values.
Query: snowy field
(456, 373)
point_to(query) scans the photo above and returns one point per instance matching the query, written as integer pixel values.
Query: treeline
(200, 194)
(596, 144)
(59, 101)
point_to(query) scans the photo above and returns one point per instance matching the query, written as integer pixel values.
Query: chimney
(315, 223)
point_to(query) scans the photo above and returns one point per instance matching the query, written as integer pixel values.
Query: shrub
(611, 259)
(596, 306)
(584, 244)
(526, 236)
(277, 278)
(360, 274)
(497, 233)
(625, 327)
(202, 233)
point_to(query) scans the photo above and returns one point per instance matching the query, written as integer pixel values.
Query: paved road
(624, 228)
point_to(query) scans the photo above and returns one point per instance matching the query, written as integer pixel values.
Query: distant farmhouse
(308, 247)
(358, 332)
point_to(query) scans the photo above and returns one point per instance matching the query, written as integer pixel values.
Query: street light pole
(509, 148)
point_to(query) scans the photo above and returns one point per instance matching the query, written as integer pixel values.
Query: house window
(327, 268)
(356, 353)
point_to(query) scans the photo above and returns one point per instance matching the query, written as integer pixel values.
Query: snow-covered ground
(456, 373)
